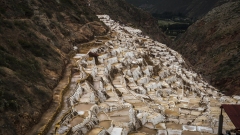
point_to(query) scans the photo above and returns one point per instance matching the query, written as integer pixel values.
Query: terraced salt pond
(138, 86)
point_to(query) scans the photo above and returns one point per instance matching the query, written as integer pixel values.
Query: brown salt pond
(124, 111)
(129, 97)
(120, 118)
(112, 103)
(94, 131)
(106, 124)
(102, 116)
(83, 107)
(137, 105)
(135, 102)
(160, 126)
(174, 112)
(76, 120)
(173, 126)
(147, 130)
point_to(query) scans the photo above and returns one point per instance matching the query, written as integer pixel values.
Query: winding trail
(62, 86)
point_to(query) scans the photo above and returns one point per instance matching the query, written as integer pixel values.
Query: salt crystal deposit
(138, 85)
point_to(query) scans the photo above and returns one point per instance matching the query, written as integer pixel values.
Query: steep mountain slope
(36, 42)
(190, 8)
(212, 45)
(124, 12)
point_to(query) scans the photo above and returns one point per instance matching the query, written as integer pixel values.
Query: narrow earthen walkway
(56, 104)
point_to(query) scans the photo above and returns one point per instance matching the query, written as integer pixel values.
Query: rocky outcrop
(211, 45)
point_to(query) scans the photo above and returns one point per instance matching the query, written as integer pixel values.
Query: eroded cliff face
(36, 42)
(212, 45)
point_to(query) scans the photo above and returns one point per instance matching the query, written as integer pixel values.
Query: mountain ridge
(212, 46)
(190, 8)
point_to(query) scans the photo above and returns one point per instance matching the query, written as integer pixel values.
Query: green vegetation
(19, 8)
(8, 101)
(6, 23)
(35, 48)
(27, 69)
(172, 28)
(60, 17)
(48, 13)
(66, 2)
(21, 25)
(173, 24)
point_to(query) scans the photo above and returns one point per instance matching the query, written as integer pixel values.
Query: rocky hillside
(126, 13)
(36, 42)
(189, 8)
(212, 45)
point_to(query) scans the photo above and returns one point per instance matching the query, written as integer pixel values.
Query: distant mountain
(212, 45)
(189, 8)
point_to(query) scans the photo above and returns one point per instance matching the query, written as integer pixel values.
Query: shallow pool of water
(106, 124)
(148, 131)
(102, 117)
(120, 118)
(83, 107)
(75, 121)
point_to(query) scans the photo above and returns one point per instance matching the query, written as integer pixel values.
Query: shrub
(6, 23)
(2, 10)
(22, 25)
(60, 17)
(12, 45)
(35, 48)
(48, 13)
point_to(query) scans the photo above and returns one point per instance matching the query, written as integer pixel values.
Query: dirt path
(54, 107)
(60, 94)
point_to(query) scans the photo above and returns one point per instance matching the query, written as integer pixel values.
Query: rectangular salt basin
(204, 129)
(174, 132)
(116, 131)
(189, 128)
(162, 132)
